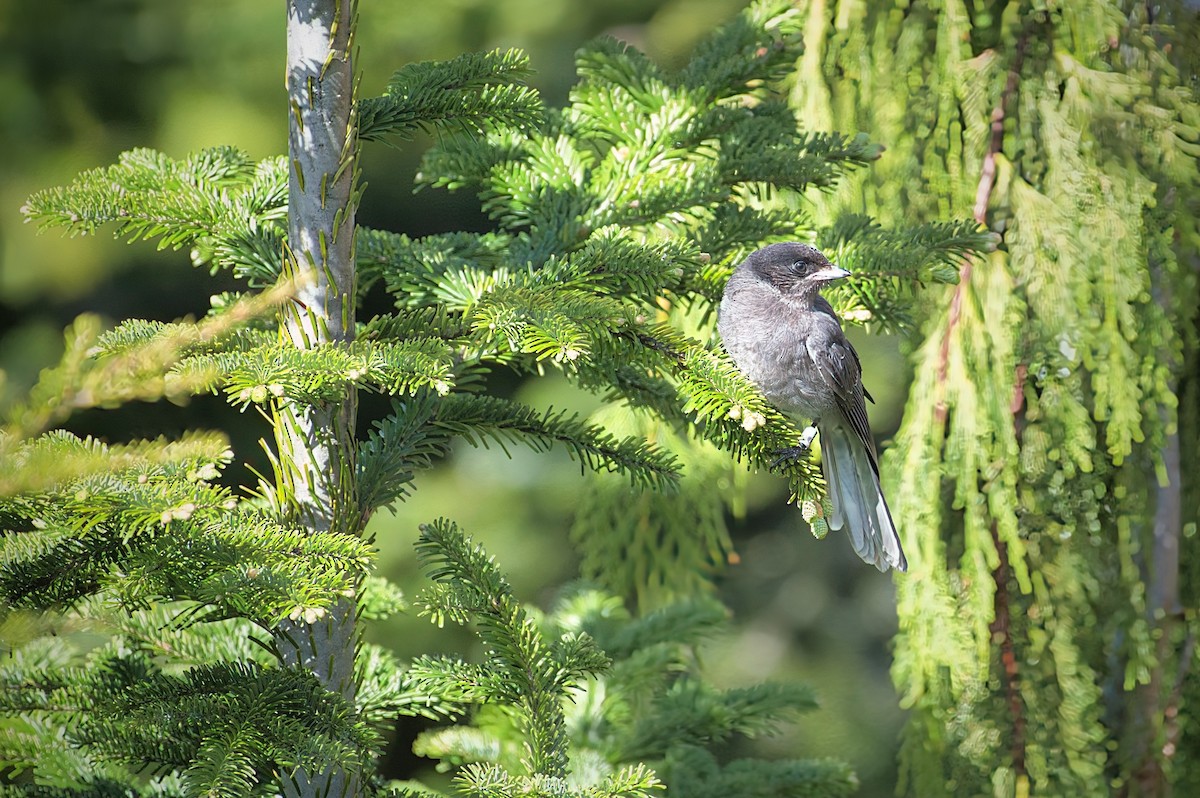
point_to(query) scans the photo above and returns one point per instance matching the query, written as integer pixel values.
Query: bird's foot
(788, 455)
(801, 449)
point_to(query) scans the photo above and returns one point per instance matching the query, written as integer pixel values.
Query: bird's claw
(788, 454)
(801, 449)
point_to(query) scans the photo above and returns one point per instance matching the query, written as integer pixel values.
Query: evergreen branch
(643, 186)
(480, 418)
(458, 745)
(736, 417)
(431, 687)
(323, 373)
(482, 779)
(650, 652)
(411, 789)
(434, 321)
(455, 681)
(540, 315)
(610, 62)
(615, 263)
(637, 781)
(133, 536)
(34, 688)
(919, 253)
(231, 727)
(525, 321)
(888, 266)
(379, 599)
(250, 239)
(644, 387)
(666, 342)
(223, 766)
(440, 603)
(131, 335)
(535, 675)
(169, 630)
(82, 381)
(471, 93)
(417, 432)
(642, 675)
(579, 658)
(795, 161)
(249, 565)
(147, 194)
(470, 160)
(474, 582)
(758, 709)
(418, 271)
(545, 190)
(46, 463)
(95, 787)
(691, 712)
(71, 541)
(217, 200)
(35, 746)
(759, 46)
(254, 253)
(399, 446)
(695, 772)
(681, 623)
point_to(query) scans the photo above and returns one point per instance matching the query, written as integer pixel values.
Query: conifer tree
(1048, 626)
(173, 636)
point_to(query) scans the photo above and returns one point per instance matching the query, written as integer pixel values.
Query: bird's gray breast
(770, 339)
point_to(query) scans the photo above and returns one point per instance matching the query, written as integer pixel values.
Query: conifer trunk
(316, 443)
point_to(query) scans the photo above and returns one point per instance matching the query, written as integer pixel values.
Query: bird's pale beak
(831, 273)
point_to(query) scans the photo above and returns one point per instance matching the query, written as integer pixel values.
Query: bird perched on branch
(785, 337)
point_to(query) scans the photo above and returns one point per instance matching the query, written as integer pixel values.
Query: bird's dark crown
(791, 267)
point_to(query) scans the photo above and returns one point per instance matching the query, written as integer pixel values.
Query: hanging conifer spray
(1045, 466)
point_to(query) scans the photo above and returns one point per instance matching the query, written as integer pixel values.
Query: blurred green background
(82, 81)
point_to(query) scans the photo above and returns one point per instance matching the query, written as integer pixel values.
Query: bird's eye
(799, 267)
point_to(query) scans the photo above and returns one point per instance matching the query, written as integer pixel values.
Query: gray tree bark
(315, 473)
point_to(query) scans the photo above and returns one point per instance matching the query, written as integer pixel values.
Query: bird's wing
(838, 365)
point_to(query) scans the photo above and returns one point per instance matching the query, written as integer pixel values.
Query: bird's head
(794, 269)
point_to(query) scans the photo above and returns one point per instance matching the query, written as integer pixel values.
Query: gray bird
(785, 337)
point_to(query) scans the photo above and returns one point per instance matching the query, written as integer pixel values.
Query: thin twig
(1000, 625)
(1171, 712)
(1001, 634)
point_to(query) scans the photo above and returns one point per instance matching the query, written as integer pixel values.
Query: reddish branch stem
(1001, 635)
(1000, 625)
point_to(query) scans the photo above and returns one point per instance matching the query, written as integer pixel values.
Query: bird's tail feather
(858, 503)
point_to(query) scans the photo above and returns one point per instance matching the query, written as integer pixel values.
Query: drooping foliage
(1047, 639)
